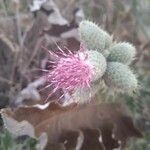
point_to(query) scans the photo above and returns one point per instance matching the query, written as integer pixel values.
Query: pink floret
(71, 72)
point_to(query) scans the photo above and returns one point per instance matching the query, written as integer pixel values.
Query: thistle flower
(75, 71)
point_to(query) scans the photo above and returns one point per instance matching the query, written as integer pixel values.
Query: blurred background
(27, 26)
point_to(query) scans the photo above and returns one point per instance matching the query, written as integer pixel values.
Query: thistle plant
(100, 59)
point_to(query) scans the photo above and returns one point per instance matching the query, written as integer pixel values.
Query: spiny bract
(122, 52)
(93, 36)
(118, 76)
(98, 63)
(84, 95)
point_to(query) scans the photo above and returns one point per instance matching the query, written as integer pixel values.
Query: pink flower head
(71, 71)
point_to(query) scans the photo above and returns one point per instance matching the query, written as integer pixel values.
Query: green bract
(94, 37)
(98, 63)
(122, 52)
(118, 76)
(84, 95)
